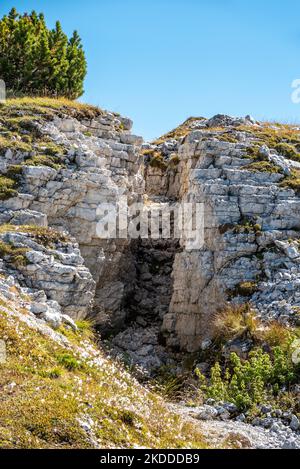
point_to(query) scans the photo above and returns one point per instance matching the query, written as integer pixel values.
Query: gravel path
(232, 434)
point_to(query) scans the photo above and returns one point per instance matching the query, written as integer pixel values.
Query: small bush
(157, 161)
(251, 382)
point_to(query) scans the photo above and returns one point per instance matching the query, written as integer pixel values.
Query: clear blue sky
(161, 61)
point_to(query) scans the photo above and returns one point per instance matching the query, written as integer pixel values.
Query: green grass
(288, 150)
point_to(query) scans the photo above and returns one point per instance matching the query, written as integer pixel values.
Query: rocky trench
(141, 339)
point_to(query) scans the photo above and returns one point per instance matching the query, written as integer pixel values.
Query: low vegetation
(280, 137)
(56, 396)
(48, 108)
(12, 254)
(20, 133)
(233, 322)
(48, 237)
(292, 181)
(265, 375)
(247, 383)
(7, 187)
(263, 166)
(181, 131)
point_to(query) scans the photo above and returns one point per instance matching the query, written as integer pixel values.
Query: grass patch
(282, 138)
(288, 151)
(293, 181)
(51, 106)
(48, 237)
(54, 162)
(7, 187)
(13, 255)
(275, 335)
(235, 321)
(68, 361)
(263, 167)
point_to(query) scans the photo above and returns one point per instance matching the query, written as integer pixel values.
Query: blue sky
(161, 61)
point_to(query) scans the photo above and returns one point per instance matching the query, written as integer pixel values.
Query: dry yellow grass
(235, 321)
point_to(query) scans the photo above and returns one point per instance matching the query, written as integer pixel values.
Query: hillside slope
(58, 389)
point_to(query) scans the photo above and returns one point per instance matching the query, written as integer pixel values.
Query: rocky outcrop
(156, 293)
(102, 161)
(51, 272)
(251, 224)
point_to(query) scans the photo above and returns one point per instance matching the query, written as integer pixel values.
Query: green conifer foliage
(35, 60)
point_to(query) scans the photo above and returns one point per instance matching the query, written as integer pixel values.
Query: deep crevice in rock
(147, 303)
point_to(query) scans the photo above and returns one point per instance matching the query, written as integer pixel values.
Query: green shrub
(253, 381)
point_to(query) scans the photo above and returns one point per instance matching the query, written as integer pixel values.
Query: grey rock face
(266, 254)
(103, 163)
(57, 272)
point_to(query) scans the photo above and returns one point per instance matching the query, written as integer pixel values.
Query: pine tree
(58, 42)
(37, 61)
(77, 66)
